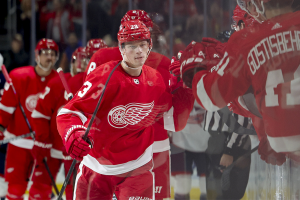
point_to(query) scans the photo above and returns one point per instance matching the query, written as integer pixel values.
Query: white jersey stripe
(37, 114)
(161, 146)
(92, 163)
(285, 144)
(65, 111)
(169, 120)
(204, 98)
(7, 109)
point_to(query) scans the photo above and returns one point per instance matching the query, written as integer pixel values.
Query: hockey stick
(70, 97)
(64, 82)
(225, 179)
(51, 177)
(32, 133)
(86, 133)
(9, 81)
(17, 137)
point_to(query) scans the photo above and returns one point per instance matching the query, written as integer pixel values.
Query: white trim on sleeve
(92, 163)
(54, 153)
(23, 143)
(169, 120)
(285, 144)
(7, 109)
(37, 114)
(161, 146)
(204, 98)
(65, 111)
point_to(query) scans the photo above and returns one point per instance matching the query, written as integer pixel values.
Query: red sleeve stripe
(37, 114)
(65, 111)
(7, 109)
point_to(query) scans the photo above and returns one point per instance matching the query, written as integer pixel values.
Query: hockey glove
(192, 61)
(268, 154)
(76, 147)
(175, 64)
(40, 150)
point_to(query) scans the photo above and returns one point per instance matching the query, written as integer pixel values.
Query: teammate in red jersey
(44, 125)
(82, 56)
(122, 134)
(29, 83)
(182, 101)
(268, 59)
(44, 115)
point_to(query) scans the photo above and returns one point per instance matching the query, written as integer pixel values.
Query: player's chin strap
(42, 67)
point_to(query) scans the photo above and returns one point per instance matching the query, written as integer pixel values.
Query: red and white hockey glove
(214, 51)
(192, 61)
(214, 45)
(175, 64)
(40, 150)
(268, 154)
(76, 147)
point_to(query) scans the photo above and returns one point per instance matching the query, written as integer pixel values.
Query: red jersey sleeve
(45, 108)
(214, 90)
(9, 102)
(77, 112)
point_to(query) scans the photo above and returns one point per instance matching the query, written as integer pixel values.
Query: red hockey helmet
(241, 15)
(132, 31)
(94, 45)
(79, 53)
(47, 44)
(80, 56)
(138, 14)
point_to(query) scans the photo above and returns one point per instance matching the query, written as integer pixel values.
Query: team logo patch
(31, 101)
(130, 114)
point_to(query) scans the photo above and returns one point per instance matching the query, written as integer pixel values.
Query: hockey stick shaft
(86, 133)
(64, 82)
(51, 177)
(17, 137)
(9, 81)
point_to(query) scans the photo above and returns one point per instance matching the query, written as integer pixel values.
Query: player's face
(47, 58)
(135, 53)
(74, 66)
(84, 63)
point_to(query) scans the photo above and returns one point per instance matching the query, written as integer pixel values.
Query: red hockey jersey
(183, 101)
(269, 60)
(122, 130)
(44, 116)
(29, 86)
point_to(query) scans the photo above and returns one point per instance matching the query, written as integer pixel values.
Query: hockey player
(48, 143)
(82, 56)
(44, 115)
(182, 102)
(29, 83)
(268, 60)
(122, 143)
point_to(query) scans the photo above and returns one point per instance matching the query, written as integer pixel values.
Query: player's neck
(132, 71)
(277, 11)
(41, 72)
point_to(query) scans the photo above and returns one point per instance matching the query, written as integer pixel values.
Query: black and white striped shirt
(216, 122)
